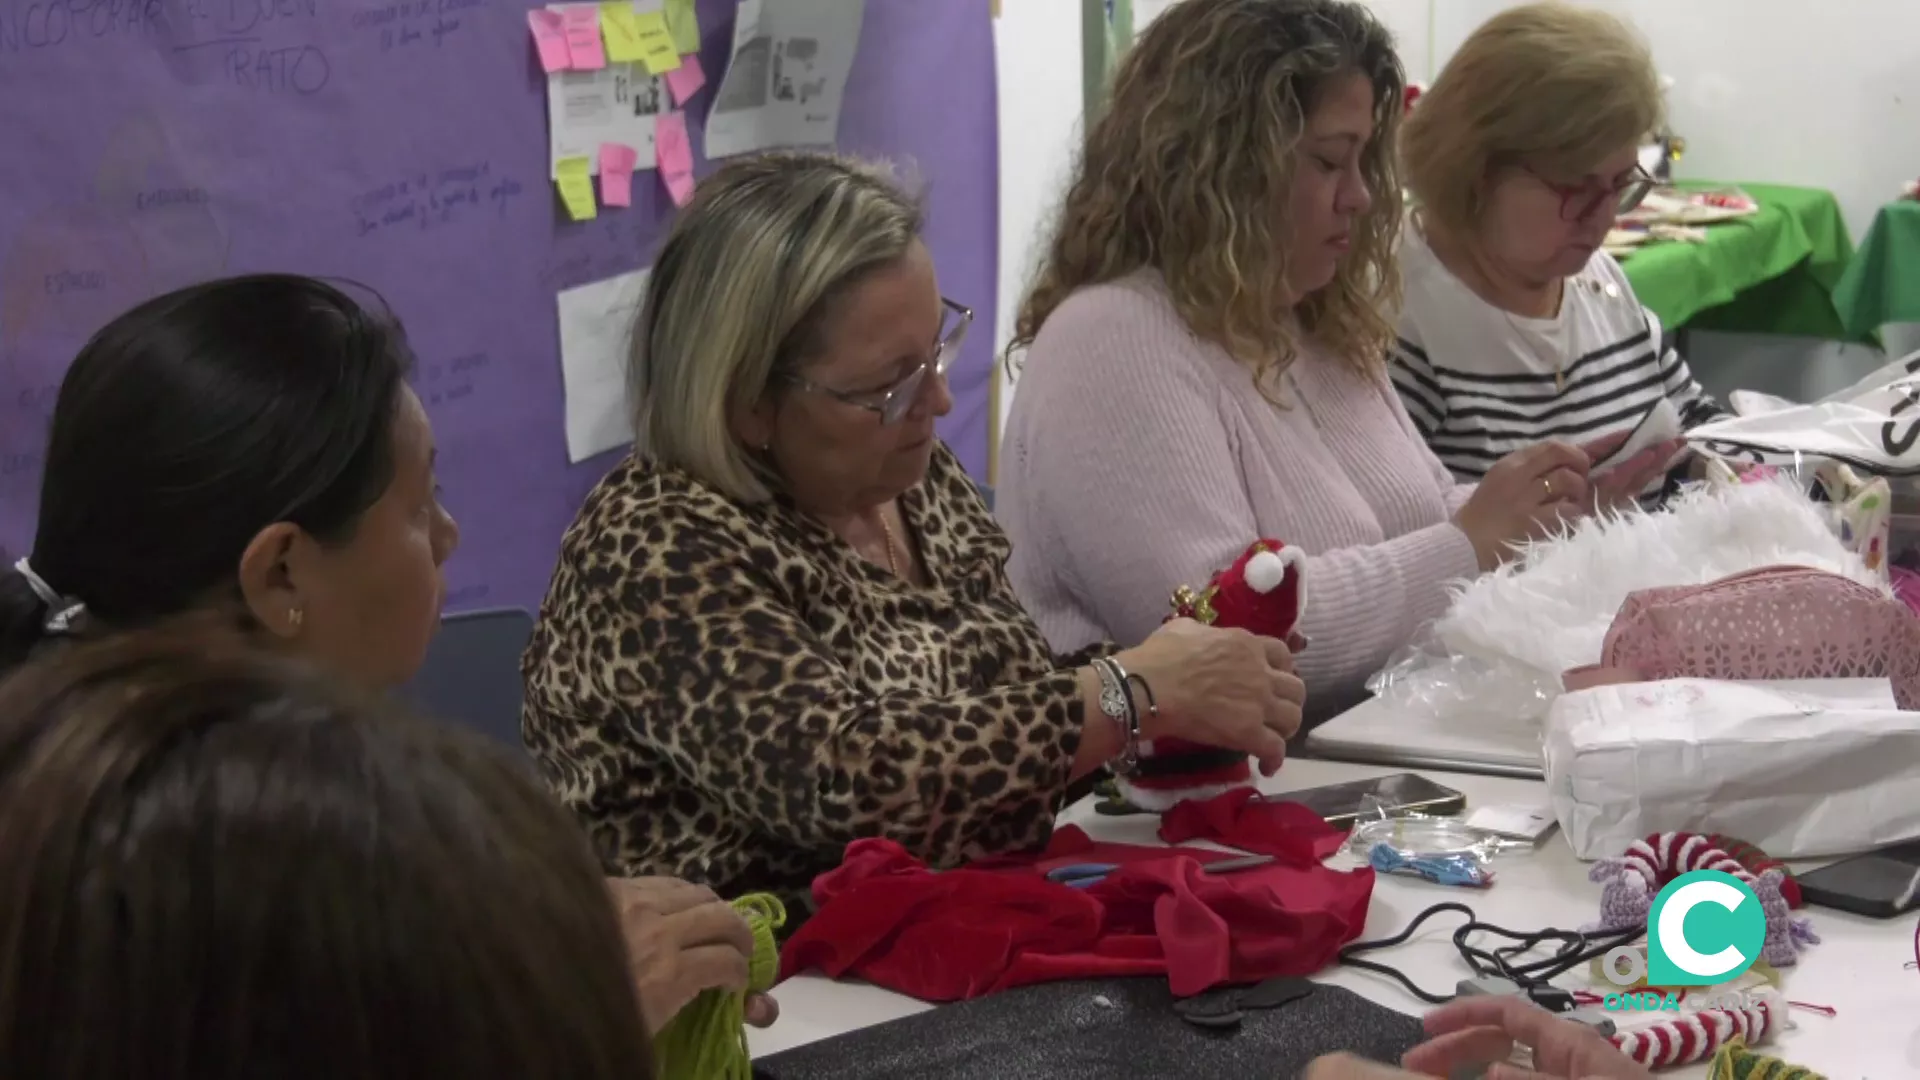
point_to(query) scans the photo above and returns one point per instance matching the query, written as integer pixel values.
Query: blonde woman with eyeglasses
(1205, 353)
(1517, 326)
(784, 623)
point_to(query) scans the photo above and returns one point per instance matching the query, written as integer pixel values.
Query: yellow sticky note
(619, 24)
(656, 42)
(575, 178)
(685, 24)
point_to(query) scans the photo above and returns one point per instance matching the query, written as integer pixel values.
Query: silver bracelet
(1116, 701)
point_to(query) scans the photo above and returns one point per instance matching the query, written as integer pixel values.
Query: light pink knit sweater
(1138, 459)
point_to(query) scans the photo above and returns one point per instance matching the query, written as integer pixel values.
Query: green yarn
(1736, 1062)
(708, 1040)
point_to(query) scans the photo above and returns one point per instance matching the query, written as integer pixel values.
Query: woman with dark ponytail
(249, 449)
(248, 444)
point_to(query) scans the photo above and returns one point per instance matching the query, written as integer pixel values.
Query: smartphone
(1879, 885)
(1341, 804)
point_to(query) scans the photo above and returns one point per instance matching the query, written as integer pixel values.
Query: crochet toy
(1694, 1037)
(1735, 1062)
(1634, 879)
(1263, 592)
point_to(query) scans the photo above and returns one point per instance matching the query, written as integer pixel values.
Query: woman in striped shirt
(1516, 327)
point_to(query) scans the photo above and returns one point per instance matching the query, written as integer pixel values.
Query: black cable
(1575, 948)
(1346, 955)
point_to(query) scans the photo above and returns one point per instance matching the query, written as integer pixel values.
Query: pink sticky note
(583, 36)
(674, 155)
(686, 80)
(616, 173)
(550, 37)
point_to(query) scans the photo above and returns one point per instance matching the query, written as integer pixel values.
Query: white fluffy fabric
(1550, 609)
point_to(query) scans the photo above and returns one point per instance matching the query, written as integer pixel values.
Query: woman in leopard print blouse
(785, 623)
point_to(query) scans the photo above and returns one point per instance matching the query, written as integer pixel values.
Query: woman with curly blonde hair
(1205, 353)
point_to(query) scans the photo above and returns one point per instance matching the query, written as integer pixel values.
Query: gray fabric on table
(1099, 1030)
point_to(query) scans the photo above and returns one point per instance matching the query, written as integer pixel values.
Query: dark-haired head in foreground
(248, 444)
(215, 865)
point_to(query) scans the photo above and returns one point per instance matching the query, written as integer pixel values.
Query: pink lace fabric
(1906, 586)
(1777, 622)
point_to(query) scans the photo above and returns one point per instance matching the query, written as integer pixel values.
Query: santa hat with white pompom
(1263, 592)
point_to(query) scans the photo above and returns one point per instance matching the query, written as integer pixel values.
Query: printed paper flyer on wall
(787, 76)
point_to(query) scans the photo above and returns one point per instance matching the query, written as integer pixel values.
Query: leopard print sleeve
(722, 710)
(1085, 655)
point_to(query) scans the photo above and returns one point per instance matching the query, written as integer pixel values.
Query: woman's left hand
(1621, 485)
(1478, 1033)
(1348, 1067)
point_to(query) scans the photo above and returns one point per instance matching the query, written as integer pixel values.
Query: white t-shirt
(1480, 382)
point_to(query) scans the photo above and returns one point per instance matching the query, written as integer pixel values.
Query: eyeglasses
(893, 402)
(1579, 201)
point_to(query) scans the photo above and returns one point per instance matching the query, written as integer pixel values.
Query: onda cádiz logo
(1705, 928)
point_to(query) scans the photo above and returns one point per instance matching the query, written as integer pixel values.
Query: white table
(1375, 733)
(1858, 969)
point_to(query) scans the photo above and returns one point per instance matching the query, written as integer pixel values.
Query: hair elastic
(62, 611)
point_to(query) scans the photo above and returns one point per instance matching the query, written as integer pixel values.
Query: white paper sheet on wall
(614, 104)
(596, 323)
(787, 75)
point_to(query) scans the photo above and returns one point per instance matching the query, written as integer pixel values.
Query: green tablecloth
(1770, 273)
(1882, 283)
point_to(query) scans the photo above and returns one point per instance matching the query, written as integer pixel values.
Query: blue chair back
(472, 673)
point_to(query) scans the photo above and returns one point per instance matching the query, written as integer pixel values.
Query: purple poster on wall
(146, 144)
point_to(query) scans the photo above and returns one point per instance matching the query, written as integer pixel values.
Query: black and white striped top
(1480, 382)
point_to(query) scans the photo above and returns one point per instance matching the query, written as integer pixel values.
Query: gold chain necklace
(893, 565)
(1608, 290)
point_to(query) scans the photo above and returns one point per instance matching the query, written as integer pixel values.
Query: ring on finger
(1547, 482)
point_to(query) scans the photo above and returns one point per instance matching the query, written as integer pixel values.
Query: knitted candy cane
(1665, 856)
(1694, 1037)
(1634, 879)
(1759, 862)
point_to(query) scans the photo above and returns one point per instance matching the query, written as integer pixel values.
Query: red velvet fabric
(1242, 819)
(947, 936)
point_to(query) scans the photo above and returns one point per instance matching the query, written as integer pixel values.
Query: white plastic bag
(1801, 768)
(1873, 425)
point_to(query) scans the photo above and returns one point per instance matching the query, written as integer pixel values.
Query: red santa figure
(1263, 592)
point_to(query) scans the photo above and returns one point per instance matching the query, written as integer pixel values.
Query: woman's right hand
(682, 939)
(1225, 688)
(1523, 497)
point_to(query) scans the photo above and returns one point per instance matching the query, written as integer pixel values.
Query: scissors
(1087, 875)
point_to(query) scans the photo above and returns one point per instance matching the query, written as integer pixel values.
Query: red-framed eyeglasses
(1580, 201)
